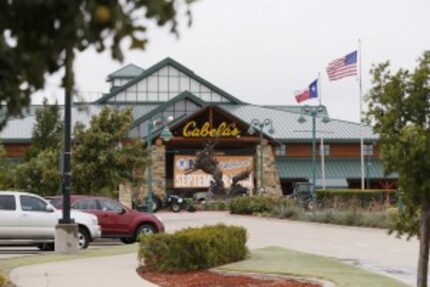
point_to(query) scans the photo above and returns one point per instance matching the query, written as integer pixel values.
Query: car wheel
(127, 240)
(83, 238)
(144, 229)
(176, 207)
(156, 206)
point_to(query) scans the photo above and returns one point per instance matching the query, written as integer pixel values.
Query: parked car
(29, 219)
(115, 219)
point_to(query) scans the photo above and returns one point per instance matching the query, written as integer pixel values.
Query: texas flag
(310, 93)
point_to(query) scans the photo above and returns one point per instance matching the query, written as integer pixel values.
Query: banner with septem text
(230, 166)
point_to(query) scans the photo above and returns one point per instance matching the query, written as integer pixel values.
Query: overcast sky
(262, 51)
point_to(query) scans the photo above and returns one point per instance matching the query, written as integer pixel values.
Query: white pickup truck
(26, 218)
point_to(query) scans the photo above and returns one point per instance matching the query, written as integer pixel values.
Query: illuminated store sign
(191, 130)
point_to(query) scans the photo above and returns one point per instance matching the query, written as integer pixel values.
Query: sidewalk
(112, 271)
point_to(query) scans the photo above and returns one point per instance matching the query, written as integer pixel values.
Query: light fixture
(251, 130)
(271, 130)
(326, 119)
(302, 119)
(166, 134)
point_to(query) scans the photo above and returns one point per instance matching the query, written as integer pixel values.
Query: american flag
(343, 67)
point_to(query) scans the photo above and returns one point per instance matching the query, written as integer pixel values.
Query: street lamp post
(368, 165)
(166, 135)
(314, 112)
(260, 125)
(368, 151)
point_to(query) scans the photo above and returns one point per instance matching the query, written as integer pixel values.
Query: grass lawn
(8, 264)
(273, 260)
(278, 260)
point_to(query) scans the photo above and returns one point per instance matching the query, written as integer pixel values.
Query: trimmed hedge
(193, 248)
(252, 204)
(360, 197)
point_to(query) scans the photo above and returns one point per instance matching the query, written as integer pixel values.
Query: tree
(103, 157)
(399, 108)
(40, 174)
(47, 131)
(6, 170)
(40, 37)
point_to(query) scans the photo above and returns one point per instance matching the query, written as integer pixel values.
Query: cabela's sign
(191, 130)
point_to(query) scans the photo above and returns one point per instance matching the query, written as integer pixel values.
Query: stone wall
(125, 194)
(272, 183)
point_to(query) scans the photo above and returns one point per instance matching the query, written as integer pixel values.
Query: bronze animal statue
(204, 160)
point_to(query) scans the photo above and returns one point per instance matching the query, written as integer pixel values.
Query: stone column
(272, 183)
(158, 171)
(125, 194)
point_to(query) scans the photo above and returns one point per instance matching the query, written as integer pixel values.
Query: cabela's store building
(202, 113)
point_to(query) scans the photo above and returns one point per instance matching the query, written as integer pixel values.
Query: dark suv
(115, 219)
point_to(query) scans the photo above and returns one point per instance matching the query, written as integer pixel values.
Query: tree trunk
(424, 244)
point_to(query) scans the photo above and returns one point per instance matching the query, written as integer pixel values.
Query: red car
(115, 220)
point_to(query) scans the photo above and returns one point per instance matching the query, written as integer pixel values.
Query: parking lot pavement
(17, 251)
(24, 251)
(372, 249)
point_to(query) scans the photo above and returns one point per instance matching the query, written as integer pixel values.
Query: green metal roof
(334, 168)
(289, 108)
(20, 129)
(128, 71)
(160, 65)
(288, 129)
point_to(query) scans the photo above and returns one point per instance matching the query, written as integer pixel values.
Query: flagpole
(319, 88)
(361, 115)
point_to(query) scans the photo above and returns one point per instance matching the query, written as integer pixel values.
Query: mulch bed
(214, 279)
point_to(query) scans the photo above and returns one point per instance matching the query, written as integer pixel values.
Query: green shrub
(288, 212)
(350, 198)
(378, 219)
(214, 205)
(193, 248)
(3, 280)
(252, 204)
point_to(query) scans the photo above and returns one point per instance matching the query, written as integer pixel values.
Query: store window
(368, 150)
(325, 150)
(281, 150)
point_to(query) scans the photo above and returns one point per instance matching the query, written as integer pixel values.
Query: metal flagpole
(361, 116)
(322, 154)
(319, 88)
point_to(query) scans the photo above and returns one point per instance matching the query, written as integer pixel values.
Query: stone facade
(158, 171)
(125, 194)
(272, 183)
